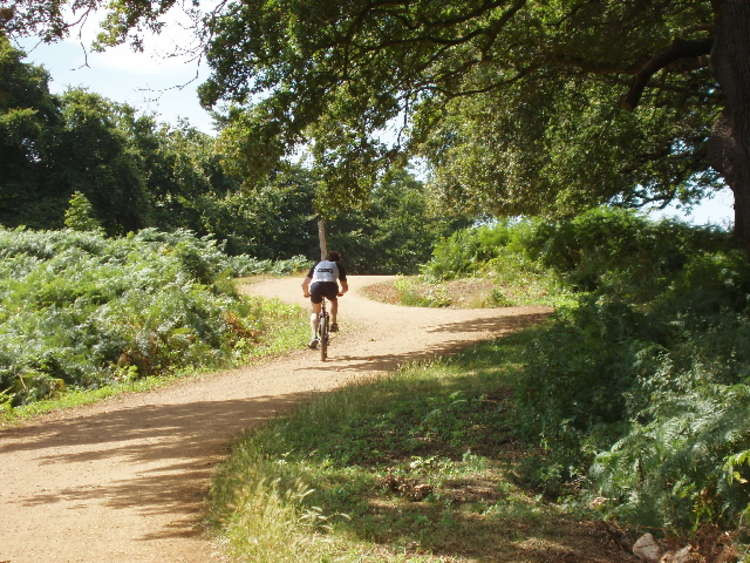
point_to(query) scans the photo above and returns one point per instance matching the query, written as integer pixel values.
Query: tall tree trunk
(322, 238)
(730, 144)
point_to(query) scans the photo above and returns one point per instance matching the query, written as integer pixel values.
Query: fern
(80, 310)
(681, 469)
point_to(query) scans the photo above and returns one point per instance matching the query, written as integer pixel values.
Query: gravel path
(125, 479)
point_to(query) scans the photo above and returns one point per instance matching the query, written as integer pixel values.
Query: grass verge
(417, 466)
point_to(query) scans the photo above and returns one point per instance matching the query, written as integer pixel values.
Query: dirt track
(125, 480)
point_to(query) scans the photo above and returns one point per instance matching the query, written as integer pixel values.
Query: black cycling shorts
(318, 290)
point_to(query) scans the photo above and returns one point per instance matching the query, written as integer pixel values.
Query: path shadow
(189, 439)
(500, 324)
(388, 362)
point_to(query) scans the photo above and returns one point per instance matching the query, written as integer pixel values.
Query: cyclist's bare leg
(334, 310)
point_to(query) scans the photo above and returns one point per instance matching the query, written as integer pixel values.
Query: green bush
(244, 265)
(79, 215)
(644, 403)
(80, 310)
(573, 394)
(619, 250)
(638, 391)
(710, 283)
(684, 468)
(466, 252)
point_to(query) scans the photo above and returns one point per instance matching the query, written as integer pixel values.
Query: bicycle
(324, 330)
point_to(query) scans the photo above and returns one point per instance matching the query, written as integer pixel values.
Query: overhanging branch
(680, 49)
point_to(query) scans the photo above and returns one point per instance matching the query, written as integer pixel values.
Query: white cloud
(150, 81)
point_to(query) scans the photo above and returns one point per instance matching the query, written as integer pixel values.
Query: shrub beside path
(126, 479)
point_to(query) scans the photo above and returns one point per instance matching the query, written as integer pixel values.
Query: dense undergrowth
(638, 392)
(81, 311)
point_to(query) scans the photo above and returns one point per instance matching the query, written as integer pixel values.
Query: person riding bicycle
(320, 282)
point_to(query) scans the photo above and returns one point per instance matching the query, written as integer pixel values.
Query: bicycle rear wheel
(323, 330)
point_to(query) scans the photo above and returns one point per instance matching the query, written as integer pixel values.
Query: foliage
(54, 145)
(684, 468)
(657, 90)
(137, 172)
(511, 289)
(273, 221)
(81, 311)
(93, 155)
(471, 251)
(572, 394)
(539, 82)
(395, 232)
(499, 252)
(29, 116)
(542, 162)
(604, 247)
(604, 250)
(636, 391)
(79, 215)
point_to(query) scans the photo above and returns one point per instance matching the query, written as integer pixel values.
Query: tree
(274, 220)
(94, 155)
(29, 123)
(396, 232)
(132, 169)
(79, 215)
(576, 101)
(55, 144)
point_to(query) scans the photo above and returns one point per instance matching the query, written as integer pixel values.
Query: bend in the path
(126, 479)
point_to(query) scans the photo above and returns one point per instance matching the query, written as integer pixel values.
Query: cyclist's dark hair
(333, 256)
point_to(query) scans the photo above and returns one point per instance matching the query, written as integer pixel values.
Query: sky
(715, 211)
(154, 82)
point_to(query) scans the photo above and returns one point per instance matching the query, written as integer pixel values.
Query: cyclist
(321, 281)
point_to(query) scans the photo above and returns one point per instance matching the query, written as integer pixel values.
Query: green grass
(416, 466)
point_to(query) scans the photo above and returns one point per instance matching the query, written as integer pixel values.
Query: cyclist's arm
(306, 284)
(342, 280)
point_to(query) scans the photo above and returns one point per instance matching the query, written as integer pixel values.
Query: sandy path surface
(126, 479)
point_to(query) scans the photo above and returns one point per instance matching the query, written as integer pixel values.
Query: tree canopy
(518, 105)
